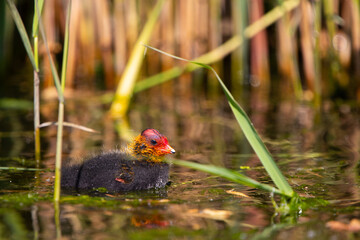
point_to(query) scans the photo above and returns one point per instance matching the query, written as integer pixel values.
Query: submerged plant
(254, 139)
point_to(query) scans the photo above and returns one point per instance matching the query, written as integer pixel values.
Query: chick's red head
(151, 144)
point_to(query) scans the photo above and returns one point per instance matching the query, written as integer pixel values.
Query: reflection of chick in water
(149, 221)
(140, 167)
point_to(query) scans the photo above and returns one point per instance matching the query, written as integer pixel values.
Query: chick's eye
(153, 142)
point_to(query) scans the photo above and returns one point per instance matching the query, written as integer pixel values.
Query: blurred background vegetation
(268, 53)
(310, 53)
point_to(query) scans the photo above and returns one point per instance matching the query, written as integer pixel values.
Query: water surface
(317, 150)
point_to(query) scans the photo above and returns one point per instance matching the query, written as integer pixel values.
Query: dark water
(317, 150)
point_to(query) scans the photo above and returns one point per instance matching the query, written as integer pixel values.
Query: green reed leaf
(22, 31)
(66, 48)
(228, 174)
(38, 5)
(249, 132)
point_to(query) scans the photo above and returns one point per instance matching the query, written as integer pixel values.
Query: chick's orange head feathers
(151, 144)
(155, 140)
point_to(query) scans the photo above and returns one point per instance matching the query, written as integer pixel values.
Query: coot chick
(139, 167)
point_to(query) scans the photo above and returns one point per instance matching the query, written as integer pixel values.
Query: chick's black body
(115, 171)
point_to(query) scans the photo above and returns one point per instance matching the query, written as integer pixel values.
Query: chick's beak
(167, 149)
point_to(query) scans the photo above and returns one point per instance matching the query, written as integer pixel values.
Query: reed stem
(66, 49)
(239, 66)
(57, 220)
(59, 136)
(60, 122)
(317, 60)
(37, 117)
(36, 82)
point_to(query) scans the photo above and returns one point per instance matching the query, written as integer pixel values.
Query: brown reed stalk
(50, 30)
(317, 61)
(73, 43)
(259, 58)
(153, 63)
(355, 30)
(201, 18)
(239, 58)
(89, 52)
(306, 40)
(215, 33)
(355, 39)
(104, 35)
(185, 21)
(283, 45)
(167, 32)
(132, 23)
(120, 49)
